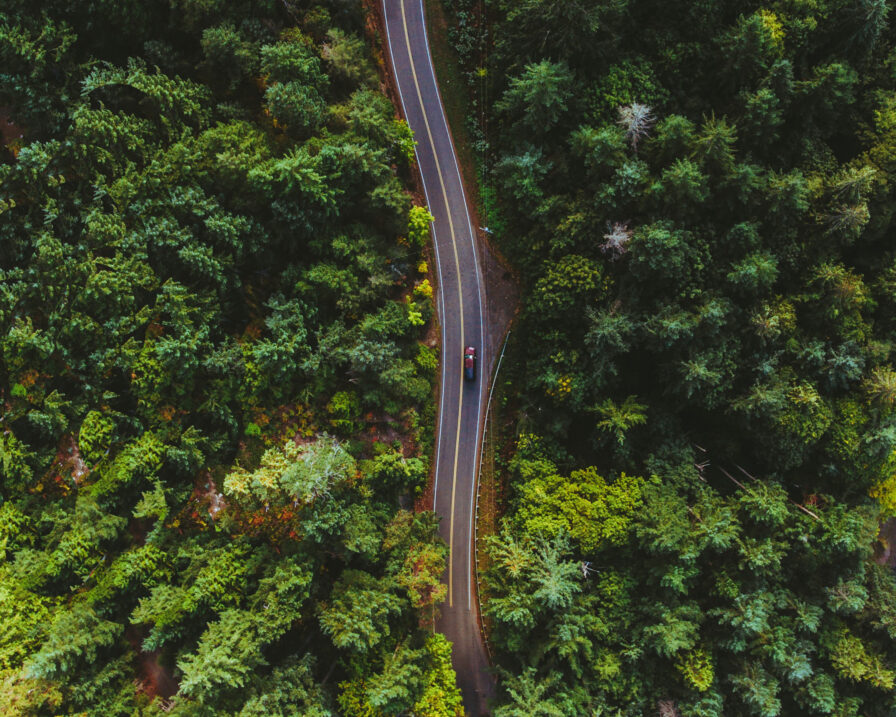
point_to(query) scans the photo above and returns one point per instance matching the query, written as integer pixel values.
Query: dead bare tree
(636, 119)
(667, 708)
(616, 240)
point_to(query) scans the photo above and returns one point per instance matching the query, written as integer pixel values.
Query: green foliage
(95, 436)
(853, 661)
(323, 467)
(73, 547)
(229, 55)
(404, 141)
(228, 653)
(719, 594)
(576, 278)
(414, 680)
(358, 616)
(441, 697)
(204, 259)
(418, 226)
(288, 689)
(697, 668)
(592, 511)
(345, 412)
(24, 616)
(393, 471)
(146, 565)
(75, 639)
(529, 694)
(539, 95)
(416, 562)
(697, 202)
(16, 528)
(294, 473)
(428, 360)
(619, 419)
(14, 460)
(295, 106)
(292, 60)
(179, 102)
(347, 59)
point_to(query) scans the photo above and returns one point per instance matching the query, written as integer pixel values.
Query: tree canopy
(214, 372)
(698, 200)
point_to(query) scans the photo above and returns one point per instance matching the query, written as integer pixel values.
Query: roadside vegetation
(215, 391)
(699, 201)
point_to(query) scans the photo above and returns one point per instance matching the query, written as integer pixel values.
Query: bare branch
(667, 708)
(801, 507)
(616, 240)
(637, 119)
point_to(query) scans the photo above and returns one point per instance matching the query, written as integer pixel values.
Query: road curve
(462, 316)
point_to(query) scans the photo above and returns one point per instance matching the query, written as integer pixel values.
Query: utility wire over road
(462, 318)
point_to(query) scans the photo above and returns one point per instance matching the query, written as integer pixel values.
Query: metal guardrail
(488, 406)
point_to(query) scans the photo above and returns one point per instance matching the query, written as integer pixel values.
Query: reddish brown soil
(154, 679)
(9, 131)
(885, 548)
(68, 468)
(425, 501)
(206, 496)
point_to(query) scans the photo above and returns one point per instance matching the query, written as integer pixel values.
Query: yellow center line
(460, 295)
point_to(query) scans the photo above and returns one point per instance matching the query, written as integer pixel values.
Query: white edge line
(435, 243)
(460, 180)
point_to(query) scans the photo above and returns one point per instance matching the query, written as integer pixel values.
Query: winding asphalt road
(462, 313)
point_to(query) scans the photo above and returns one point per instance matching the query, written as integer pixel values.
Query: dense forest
(215, 371)
(699, 201)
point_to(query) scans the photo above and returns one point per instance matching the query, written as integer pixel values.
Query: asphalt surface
(462, 315)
